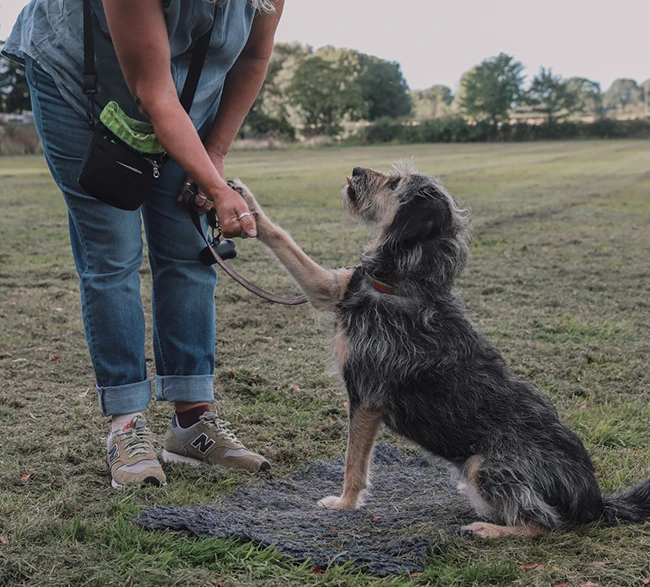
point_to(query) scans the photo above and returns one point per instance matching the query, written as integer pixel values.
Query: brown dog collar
(378, 285)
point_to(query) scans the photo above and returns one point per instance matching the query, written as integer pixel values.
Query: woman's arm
(242, 84)
(139, 35)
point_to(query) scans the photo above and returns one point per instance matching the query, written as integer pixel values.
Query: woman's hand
(202, 203)
(234, 216)
(232, 211)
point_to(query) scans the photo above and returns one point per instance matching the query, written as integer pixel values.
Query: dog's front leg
(363, 428)
(323, 287)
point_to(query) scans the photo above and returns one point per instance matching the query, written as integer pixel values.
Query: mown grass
(558, 279)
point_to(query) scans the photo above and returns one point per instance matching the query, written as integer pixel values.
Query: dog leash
(214, 223)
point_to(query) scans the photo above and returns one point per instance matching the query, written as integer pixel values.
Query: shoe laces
(137, 439)
(221, 426)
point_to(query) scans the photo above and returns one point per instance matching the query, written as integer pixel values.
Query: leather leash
(230, 271)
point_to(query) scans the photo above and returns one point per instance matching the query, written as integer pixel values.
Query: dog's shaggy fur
(412, 359)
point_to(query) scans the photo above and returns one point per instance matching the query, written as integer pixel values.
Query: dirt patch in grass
(558, 279)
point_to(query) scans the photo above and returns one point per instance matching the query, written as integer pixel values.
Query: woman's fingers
(248, 225)
(240, 223)
(202, 202)
(234, 216)
(191, 197)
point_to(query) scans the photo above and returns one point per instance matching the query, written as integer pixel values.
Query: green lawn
(559, 279)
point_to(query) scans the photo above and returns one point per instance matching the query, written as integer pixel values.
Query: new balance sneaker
(209, 440)
(131, 456)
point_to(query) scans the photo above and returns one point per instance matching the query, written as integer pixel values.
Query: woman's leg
(107, 249)
(183, 296)
(184, 334)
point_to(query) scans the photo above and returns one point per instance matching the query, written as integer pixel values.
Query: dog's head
(407, 206)
(424, 232)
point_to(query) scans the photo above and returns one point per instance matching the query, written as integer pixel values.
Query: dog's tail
(632, 505)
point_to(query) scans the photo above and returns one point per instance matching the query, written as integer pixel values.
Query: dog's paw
(248, 196)
(333, 502)
(487, 530)
(480, 529)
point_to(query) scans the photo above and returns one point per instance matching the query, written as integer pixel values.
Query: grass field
(559, 280)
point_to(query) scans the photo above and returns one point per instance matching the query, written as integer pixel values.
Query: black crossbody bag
(113, 171)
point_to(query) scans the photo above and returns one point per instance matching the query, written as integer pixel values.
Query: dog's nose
(357, 171)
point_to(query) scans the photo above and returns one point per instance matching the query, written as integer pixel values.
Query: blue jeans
(107, 249)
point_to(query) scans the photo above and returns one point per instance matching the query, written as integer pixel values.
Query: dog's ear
(424, 216)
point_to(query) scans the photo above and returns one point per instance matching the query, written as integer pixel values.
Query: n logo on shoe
(113, 454)
(202, 443)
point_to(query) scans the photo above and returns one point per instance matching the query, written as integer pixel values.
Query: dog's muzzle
(351, 192)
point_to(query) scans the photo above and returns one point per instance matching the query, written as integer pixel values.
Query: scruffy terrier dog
(410, 358)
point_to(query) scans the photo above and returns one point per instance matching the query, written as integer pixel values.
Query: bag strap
(199, 53)
(89, 84)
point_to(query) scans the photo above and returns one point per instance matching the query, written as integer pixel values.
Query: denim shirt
(51, 33)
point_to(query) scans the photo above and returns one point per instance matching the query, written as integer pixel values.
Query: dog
(409, 357)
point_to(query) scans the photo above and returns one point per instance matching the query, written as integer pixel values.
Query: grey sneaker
(131, 456)
(209, 440)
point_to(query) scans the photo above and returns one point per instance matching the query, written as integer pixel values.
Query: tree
(326, 95)
(434, 102)
(270, 113)
(622, 93)
(550, 93)
(645, 86)
(492, 88)
(383, 86)
(589, 96)
(14, 91)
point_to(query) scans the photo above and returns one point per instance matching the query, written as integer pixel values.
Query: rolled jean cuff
(124, 399)
(185, 388)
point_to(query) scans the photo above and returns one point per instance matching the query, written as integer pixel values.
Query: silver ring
(189, 184)
(201, 196)
(243, 214)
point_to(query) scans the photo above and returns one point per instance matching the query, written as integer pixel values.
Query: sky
(436, 41)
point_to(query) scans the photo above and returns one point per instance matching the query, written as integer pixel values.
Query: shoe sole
(145, 481)
(170, 457)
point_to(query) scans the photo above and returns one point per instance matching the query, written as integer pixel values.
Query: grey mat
(410, 503)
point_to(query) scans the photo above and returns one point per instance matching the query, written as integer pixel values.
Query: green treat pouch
(122, 161)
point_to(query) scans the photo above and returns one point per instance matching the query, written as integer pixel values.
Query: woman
(142, 54)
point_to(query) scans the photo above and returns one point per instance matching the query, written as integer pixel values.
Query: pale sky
(436, 41)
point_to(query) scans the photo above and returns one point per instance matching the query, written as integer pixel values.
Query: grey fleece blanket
(411, 502)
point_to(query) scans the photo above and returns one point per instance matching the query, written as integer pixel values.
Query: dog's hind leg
(363, 428)
(505, 492)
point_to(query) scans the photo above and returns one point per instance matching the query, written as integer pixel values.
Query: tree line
(311, 92)
(318, 92)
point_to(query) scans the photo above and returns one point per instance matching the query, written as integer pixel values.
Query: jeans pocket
(29, 73)
(36, 76)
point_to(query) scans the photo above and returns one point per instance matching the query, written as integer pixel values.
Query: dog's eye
(393, 183)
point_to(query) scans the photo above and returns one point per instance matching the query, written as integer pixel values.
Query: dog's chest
(340, 347)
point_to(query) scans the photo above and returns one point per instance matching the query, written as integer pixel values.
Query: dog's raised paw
(333, 502)
(247, 195)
